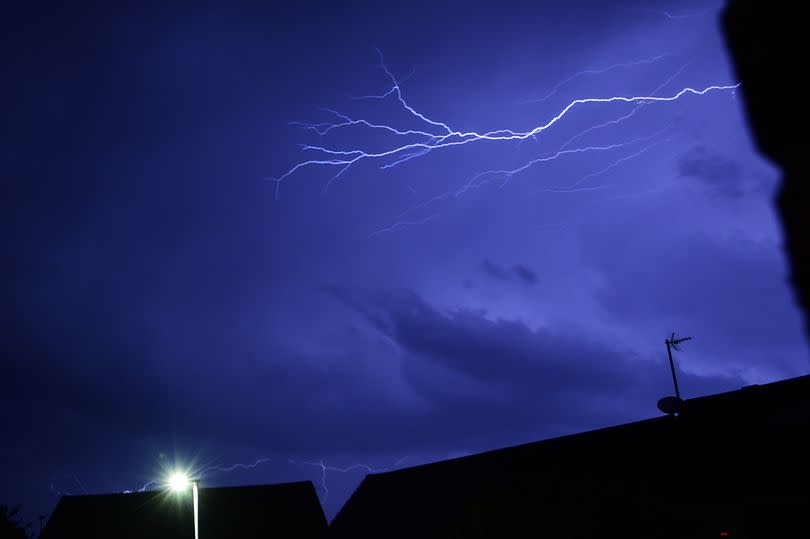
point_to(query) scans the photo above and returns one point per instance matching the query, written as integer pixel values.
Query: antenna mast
(671, 343)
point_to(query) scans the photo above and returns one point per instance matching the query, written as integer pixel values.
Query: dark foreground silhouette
(767, 45)
(733, 463)
(283, 510)
(10, 525)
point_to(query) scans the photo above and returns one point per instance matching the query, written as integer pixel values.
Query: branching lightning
(326, 468)
(436, 135)
(616, 163)
(237, 466)
(401, 224)
(681, 16)
(510, 173)
(627, 116)
(439, 135)
(206, 471)
(76, 481)
(599, 71)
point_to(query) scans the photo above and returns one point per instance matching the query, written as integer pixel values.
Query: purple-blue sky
(162, 303)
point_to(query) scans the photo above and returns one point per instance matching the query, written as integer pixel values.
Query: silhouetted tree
(10, 527)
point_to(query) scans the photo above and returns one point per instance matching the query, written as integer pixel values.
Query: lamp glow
(178, 482)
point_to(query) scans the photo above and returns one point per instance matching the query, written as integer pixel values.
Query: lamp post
(179, 482)
(195, 494)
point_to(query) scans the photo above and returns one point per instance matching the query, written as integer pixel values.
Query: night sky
(166, 301)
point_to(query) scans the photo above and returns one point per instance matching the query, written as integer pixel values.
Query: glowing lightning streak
(682, 16)
(347, 158)
(201, 472)
(473, 183)
(626, 116)
(594, 72)
(147, 485)
(59, 492)
(76, 477)
(510, 173)
(236, 466)
(397, 89)
(401, 224)
(615, 164)
(325, 468)
(76, 481)
(229, 468)
(686, 15)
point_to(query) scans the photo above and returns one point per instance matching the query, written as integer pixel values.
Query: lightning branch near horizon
(325, 468)
(237, 466)
(75, 477)
(437, 135)
(207, 470)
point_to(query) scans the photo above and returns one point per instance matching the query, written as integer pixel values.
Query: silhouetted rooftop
(723, 453)
(282, 510)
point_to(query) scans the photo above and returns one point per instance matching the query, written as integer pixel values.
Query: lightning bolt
(510, 173)
(599, 71)
(401, 224)
(615, 164)
(486, 176)
(325, 469)
(627, 116)
(678, 17)
(59, 492)
(76, 482)
(438, 135)
(145, 485)
(237, 466)
(435, 135)
(670, 16)
(207, 470)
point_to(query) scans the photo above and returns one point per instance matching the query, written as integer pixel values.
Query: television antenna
(672, 405)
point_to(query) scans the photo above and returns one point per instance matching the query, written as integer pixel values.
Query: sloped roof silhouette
(715, 467)
(281, 510)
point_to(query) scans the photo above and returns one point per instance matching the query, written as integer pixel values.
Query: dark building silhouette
(767, 45)
(735, 463)
(282, 510)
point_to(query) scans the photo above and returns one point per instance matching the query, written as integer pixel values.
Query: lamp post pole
(179, 482)
(195, 493)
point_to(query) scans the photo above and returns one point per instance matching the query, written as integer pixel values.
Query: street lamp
(179, 482)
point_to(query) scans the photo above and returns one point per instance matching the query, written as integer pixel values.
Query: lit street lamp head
(179, 482)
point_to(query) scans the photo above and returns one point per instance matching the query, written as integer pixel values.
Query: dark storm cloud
(494, 270)
(741, 281)
(716, 171)
(525, 274)
(724, 288)
(517, 375)
(519, 271)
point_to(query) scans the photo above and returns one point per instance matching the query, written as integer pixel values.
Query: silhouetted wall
(767, 41)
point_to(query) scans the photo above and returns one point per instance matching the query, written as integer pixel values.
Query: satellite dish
(670, 405)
